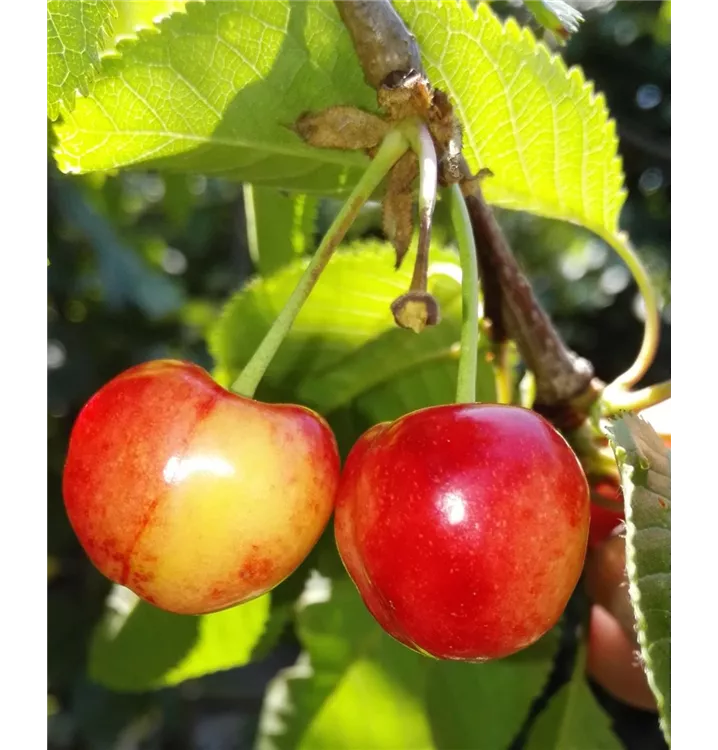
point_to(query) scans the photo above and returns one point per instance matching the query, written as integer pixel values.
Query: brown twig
(560, 375)
(565, 385)
(382, 43)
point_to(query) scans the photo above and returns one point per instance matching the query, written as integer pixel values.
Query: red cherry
(193, 497)
(464, 528)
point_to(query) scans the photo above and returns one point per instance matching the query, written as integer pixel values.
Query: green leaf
(76, 30)
(214, 90)
(355, 688)
(539, 127)
(132, 16)
(645, 466)
(138, 647)
(286, 594)
(573, 720)
(344, 347)
(353, 670)
(280, 227)
(485, 705)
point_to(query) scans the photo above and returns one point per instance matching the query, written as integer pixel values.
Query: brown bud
(403, 95)
(397, 222)
(398, 202)
(341, 127)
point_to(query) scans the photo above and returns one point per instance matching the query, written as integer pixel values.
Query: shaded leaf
(138, 647)
(398, 203)
(280, 227)
(485, 705)
(102, 716)
(645, 466)
(573, 720)
(76, 31)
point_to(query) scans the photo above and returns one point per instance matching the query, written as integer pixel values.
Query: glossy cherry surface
(464, 527)
(193, 497)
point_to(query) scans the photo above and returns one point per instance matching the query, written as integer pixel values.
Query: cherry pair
(463, 526)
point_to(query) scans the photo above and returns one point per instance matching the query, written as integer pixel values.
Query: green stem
(391, 150)
(420, 139)
(617, 400)
(652, 327)
(466, 381)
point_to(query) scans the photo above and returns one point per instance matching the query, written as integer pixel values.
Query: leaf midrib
(331, 156)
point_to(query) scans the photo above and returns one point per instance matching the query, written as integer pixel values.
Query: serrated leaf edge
(105, 59)
(513, 32)
(66, 102)
(625, 456)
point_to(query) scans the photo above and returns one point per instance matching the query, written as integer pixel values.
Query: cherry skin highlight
(191, 496)
(464, 527)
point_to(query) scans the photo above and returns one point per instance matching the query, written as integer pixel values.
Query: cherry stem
(652, 327)
(617, 400)
(393, 147)
(466, 380)
(423, 147)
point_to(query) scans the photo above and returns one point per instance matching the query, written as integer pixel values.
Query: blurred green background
(140, 266)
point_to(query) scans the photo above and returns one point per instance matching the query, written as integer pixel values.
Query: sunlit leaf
(76, 32)
(214, 89)
(280, 227)
(344, 347)
(138, 647)
(200, 94)
(132, 16)
(645, 465)
(539, 127)
(356, 687)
